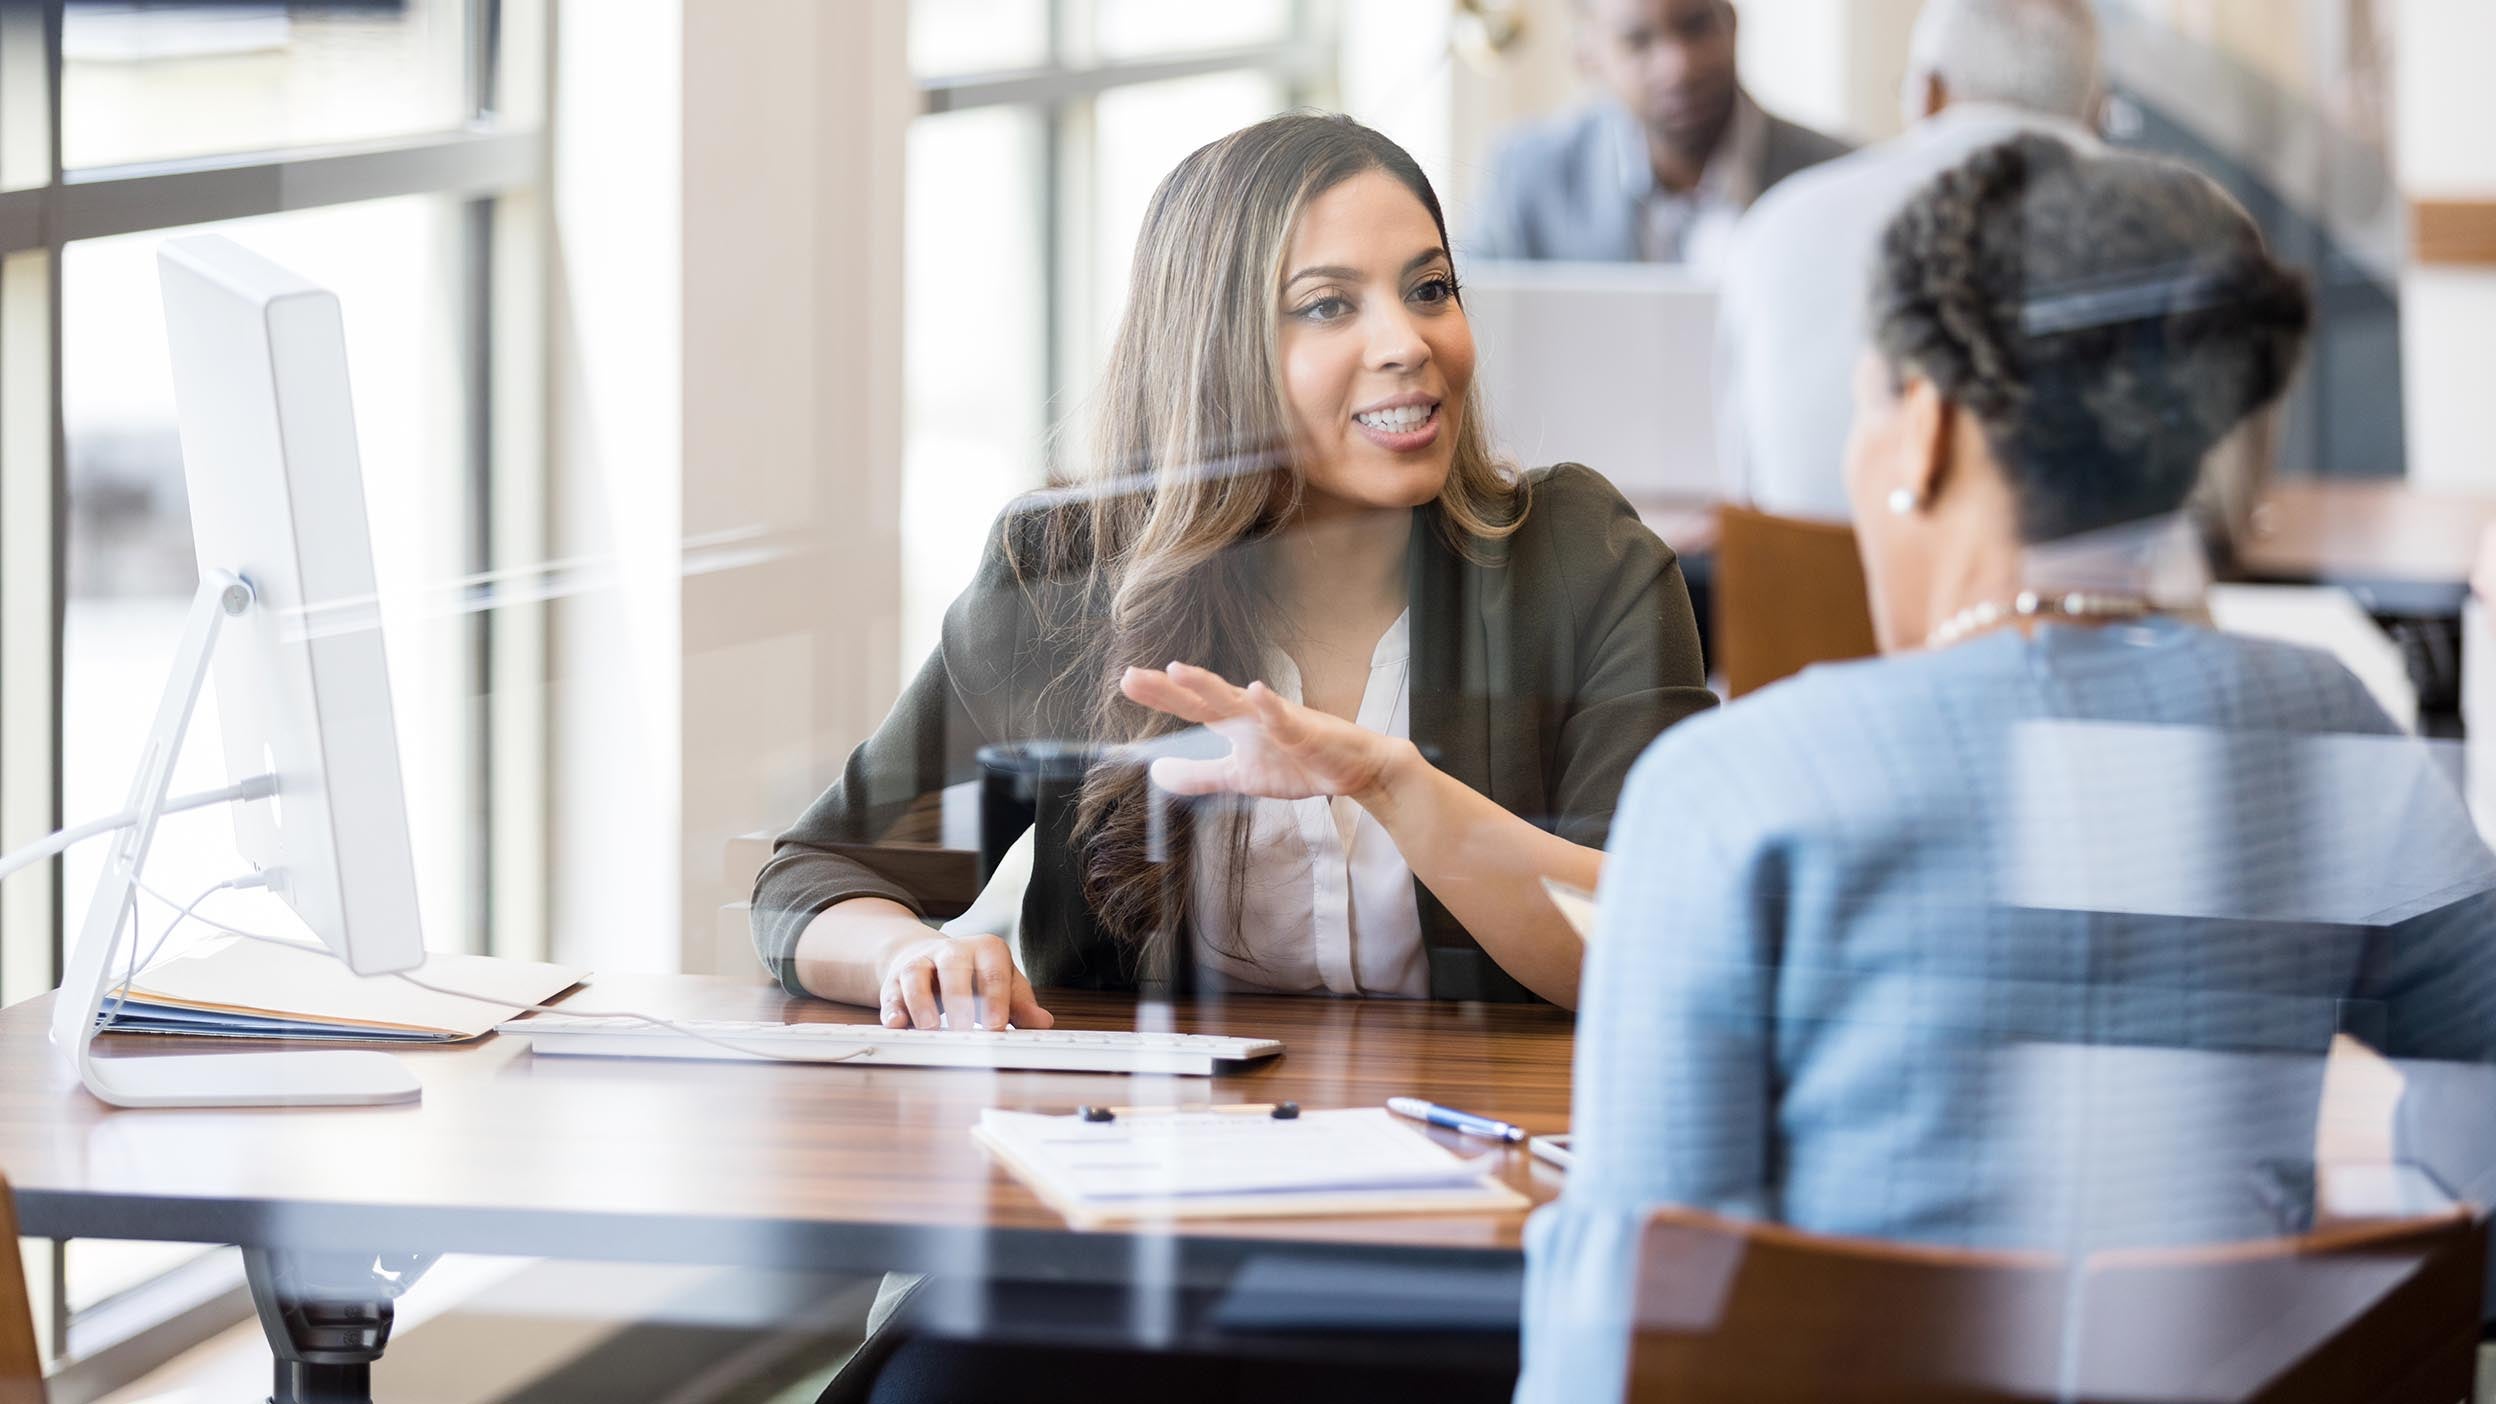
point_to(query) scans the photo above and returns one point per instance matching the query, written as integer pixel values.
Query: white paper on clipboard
(1231, 1165)
(1553, 1150)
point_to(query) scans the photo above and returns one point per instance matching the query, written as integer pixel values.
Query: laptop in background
(1607, 364)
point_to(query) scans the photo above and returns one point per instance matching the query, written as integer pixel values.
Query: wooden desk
(815, 1168)
(2398, 550)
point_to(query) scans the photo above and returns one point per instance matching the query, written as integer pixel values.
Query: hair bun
(2106, 318)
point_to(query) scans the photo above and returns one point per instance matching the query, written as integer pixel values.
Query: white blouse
(1326, 902)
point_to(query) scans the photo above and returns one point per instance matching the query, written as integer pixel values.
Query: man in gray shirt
(1791, 322)
(1658, 169)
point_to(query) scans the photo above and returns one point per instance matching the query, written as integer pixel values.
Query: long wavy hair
(1190, 461)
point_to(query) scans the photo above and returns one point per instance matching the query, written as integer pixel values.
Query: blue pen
(1454, 1120)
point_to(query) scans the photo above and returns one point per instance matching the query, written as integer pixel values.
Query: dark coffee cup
(1023, 784)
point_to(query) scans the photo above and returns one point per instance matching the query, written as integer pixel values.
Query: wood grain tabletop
(767, 1164)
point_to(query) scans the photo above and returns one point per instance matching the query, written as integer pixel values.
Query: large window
(396, 265)
(155, 81)
(1047, 124)
(392, 152)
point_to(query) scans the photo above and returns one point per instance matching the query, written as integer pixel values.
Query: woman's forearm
(842, 954)
(1487, 865)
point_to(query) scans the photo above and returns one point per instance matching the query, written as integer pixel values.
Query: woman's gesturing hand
(1279, 749)
(971, 978)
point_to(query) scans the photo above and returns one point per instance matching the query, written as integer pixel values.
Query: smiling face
(1376, 353)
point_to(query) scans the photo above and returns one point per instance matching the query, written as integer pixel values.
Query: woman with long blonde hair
(1432, 672)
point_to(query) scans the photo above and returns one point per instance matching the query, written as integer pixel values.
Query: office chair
(1789, 593)
(1738, 1312)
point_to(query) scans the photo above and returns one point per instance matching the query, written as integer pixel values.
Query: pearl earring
(1903, 502)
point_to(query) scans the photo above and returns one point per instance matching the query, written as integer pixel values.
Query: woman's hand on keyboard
(970, 977)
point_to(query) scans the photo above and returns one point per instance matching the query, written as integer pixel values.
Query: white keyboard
(1041, 1050)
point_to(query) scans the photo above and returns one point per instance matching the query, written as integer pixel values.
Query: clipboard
(1156, 1165)
(1553, 1150)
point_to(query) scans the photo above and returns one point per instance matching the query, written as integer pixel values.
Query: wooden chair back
(1789, 593)
(1738, 1312)
(21, 1365)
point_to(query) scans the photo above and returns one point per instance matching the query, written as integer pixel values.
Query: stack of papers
(264, 989)
(1151, 1164)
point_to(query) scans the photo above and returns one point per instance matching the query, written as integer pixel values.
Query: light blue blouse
(2030, 941)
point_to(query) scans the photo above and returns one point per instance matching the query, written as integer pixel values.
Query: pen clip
(1274, 1111)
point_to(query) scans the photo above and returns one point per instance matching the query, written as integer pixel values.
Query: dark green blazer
(1538, 675)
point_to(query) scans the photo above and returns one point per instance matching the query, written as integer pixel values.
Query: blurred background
(694, 346)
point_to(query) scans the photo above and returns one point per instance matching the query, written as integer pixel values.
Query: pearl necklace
(2028, 604)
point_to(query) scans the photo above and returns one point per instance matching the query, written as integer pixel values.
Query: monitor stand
(304, 1079)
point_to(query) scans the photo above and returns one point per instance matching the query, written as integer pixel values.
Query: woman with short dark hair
(2032, 931)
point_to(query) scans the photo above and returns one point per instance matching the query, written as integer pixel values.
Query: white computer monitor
(277, 497)
(277, 515)
(1607, 364)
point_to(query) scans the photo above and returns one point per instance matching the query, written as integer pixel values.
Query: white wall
(2446, 111)
(615, 362)
(796, 115)
(726, 354)
(1535, 77)
(2446, 106)
(1794, 58)
(1836, 65)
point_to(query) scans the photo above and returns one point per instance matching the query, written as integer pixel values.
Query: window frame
(1062, 91)
(495, 164)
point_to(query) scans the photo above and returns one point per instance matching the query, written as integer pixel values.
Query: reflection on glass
(131, 569)
(952, 37)
(151, 82)
(974, 341)
(2288, 106)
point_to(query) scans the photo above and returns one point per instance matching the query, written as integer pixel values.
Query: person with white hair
(1792, 313)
